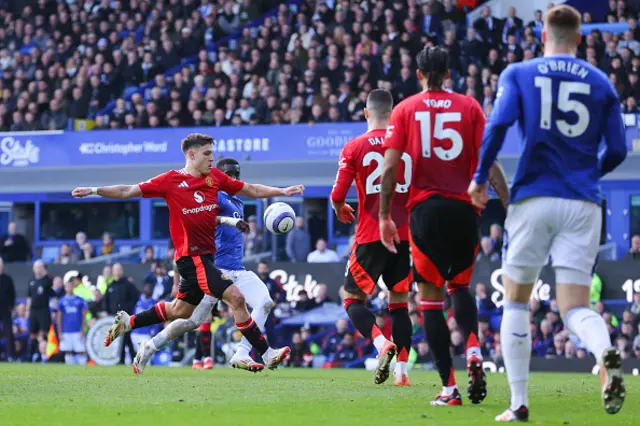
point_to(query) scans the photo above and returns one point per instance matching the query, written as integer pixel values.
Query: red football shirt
(193, 207)
(442, 132)
(361, 159)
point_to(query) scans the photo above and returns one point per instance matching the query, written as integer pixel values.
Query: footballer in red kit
(441, 132)
(191, 195)
(361, 160)
(193, 209)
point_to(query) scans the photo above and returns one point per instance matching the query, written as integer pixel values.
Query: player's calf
(365, 323)
(465, 312)
(401, 331)
(177, 328)
(205, 341)
(260, 312)
(161, 312)
(439, 338)
(249, 329)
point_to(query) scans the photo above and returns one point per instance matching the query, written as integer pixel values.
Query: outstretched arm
(240, 224)
(256, 190)
(115, 192)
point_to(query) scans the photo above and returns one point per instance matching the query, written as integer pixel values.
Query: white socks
(176, 329)
(590, 329)
(516, 350)
(379, 342)
(448, 390)
(401, 368)
(152, 345)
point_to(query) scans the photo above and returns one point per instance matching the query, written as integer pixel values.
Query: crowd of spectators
(551, 339)
(316, 63)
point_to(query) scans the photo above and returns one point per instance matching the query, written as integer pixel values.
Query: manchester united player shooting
(441, 132)
(191, 195)
(229, 254)
(361, 159)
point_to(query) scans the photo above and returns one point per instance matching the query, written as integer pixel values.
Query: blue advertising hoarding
(158, 146)
(300, 142)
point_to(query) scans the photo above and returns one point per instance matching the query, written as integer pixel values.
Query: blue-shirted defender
(564, 107)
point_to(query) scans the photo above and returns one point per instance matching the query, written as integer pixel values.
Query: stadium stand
(173, 63)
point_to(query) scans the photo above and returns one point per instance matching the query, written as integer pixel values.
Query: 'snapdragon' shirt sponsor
(193, 207)
(207, 208)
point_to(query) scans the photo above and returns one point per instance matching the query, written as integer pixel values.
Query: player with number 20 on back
(441, 132)
(564, 107)
(361, 159)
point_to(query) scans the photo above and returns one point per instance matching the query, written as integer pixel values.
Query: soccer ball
(279, 218)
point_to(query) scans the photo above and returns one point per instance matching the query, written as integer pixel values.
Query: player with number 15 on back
(361, 159)
(564, 107)
(441, 132)
(192, 198)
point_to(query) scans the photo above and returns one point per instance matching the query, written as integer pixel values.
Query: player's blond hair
(562, 25)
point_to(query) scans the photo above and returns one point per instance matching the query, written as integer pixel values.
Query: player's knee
(234, 298)
(240, 300)
(430, 291)
(179, 309)
(171, 309)
(398, 297)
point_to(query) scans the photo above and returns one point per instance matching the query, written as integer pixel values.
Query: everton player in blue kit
(72, 313)
(228, 258)
(564, 108)
(230, 241)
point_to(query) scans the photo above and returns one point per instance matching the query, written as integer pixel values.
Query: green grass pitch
(49, 395)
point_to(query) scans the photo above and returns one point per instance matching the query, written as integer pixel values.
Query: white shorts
(72, 342)
(255, 292)
(566, 230)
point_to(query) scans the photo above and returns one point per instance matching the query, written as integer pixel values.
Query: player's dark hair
(562, 24)
(229, 166)
(196, 140)
(380, 102)
(433, 63)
